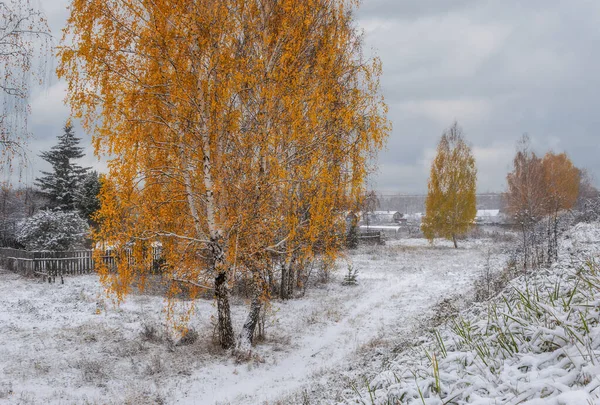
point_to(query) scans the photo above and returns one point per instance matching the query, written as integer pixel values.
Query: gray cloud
(501, 68)
(411, 10)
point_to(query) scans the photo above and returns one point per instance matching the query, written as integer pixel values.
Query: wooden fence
(51, 265)
(371, 237)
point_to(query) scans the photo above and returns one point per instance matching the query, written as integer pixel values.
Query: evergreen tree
(61, 185)
(88, 201)
(450, 207)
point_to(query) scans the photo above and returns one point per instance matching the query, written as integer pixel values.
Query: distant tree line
(540, 190)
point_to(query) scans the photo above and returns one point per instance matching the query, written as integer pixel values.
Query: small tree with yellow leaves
(450, 207)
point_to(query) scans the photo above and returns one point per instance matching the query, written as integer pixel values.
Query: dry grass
(6, 390)
(93, 371)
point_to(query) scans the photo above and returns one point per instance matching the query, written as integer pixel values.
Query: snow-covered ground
(536, 343)
(68, 344)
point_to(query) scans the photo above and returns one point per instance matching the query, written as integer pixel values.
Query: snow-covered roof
(487, 213)
(384, 212)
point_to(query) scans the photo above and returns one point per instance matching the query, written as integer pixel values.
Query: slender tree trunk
(286, 270)
(525, 246)
(226, 338)
(225, 327)
(550, 241)
(454, 240)
(555, 239)
(291, 282)
(284, 279)
(271, 279)
(534, 251)
(247, 335)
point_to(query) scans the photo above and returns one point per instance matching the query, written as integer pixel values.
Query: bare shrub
(414, 231)
(27, 307)
(130, 348)
(333, 313)
(156, 366)
(144, 398)
(503, 236)
(154, 285)
(92, 371)
(312, 318)
(150, 333)
(442, 311)
(490, 283)
(475, 232)
(249, 357)
(375, 345)
(279, 343)
(190, 336)
(41, 367)
(323, 274)
(6, 390)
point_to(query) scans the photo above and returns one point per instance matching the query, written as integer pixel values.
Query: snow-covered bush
(588, 210)
(53, 230)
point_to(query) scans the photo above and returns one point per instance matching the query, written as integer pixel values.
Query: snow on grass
(537, 343)
(66, 344)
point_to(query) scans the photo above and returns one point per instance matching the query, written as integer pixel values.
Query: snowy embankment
(68, 344)
(536, 343)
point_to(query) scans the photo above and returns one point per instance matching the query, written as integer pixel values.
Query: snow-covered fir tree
(87, 200)
(62, 184)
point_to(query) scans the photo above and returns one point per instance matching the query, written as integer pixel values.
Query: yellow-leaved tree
(238, 131)
(450, 206)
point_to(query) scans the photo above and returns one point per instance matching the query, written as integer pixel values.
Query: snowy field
(537, 343)
(68, 344)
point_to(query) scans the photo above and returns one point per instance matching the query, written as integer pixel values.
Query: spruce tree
(88, 200)
(61, 185)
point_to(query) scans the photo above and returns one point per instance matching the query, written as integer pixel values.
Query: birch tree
(450, 206)
(25, 47)
(526, 196)
(237, 131)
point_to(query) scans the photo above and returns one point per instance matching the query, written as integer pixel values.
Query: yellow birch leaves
(237, 129)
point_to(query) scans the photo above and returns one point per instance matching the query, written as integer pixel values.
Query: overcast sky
(501, 68)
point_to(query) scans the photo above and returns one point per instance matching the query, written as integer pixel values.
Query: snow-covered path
(56, 347)
(399, 286)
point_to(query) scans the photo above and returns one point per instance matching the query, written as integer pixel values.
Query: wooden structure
(371, 237)
(51, 265)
